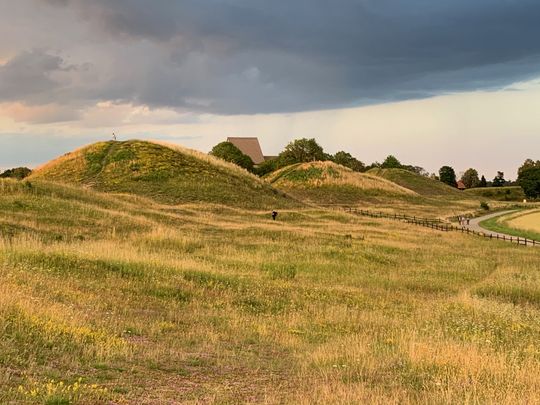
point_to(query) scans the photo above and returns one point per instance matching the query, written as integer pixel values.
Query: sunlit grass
(129, 301)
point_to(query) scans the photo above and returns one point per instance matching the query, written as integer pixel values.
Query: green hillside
(419, 184)
(512, 193)
(166, 173)
(330, 183)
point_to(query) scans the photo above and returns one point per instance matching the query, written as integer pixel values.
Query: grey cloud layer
(254, 56)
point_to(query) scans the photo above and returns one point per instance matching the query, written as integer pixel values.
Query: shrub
(18, 173)
(484, 205)
(227, 151)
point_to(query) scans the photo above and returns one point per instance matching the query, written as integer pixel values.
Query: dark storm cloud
(250, 56)
(29, 74)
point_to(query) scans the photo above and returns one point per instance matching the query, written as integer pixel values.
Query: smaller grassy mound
(166, 173)
(419, 184)
(330, 183)
(514, 193)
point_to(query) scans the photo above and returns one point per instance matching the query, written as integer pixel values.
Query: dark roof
(250, 147)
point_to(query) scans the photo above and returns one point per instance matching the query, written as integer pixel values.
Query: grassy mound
(166, 173)
(330, 183)
(412, 181)
(512, 193)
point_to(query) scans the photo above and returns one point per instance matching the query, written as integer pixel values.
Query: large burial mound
(330, 183)
(415, 182)
(166, 173)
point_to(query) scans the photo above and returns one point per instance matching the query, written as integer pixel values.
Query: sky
(433, 82)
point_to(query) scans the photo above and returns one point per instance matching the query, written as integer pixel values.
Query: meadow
(524, 223)
(111, 298)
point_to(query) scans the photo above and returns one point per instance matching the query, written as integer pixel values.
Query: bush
(484, 205)
(268, 166)
(227, 151)
(18, 173)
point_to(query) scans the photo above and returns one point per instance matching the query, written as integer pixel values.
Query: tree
(470, 178)
(448, 175)
(391, 162)
(18, 173)
(529, 178)
(302, 150)
(528, 164)
(227, 151)
(347, 160)
(499, 180)
(483, 182)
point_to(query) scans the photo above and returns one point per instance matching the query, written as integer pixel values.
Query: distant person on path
(274, 215)
(468, 221)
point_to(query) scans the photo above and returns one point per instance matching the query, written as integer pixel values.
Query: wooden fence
(439, 225)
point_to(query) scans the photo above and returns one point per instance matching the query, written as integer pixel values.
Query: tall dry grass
(136, 302)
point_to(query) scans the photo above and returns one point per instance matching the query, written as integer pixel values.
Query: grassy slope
(419, 184)
(504, 224)
(155, 304)
(498, 193)
(325, 183)
(329, 183)
(165, 173)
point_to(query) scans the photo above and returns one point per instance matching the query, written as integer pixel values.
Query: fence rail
(439, 225)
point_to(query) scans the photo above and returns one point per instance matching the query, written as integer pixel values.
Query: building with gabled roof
(249, 146)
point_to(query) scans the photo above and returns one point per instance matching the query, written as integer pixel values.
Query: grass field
(116, 298)
(528, 222)
(525, 224)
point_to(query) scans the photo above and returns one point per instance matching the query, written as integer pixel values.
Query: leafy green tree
(529, 178)
(470, 178)
(448, 175)
(483, 182)
(499, 180)
(347, 160)
(18, 173)
(300, 151)
(528, 164)
(227, 151)
(391, 162)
